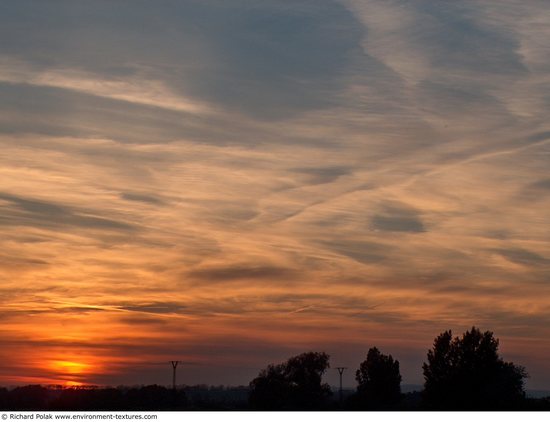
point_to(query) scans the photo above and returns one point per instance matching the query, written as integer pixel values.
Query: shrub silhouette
(4, 400)
(379, 381)
(293, 385)
(89, 399)
(155, 397)
(467, 373)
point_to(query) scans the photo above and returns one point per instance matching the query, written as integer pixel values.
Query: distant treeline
(461, 373)
(143, 398)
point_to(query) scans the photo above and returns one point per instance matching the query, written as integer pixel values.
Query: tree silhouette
(379, 380)
(467, 373)
(30, 397)
(295, 384)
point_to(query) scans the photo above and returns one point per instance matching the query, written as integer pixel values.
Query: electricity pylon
(341, 370)
(174, 366)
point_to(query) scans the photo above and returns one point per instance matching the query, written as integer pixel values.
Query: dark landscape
(461, 374)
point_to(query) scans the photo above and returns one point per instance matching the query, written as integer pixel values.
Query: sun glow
(70, 367)
(69, 384)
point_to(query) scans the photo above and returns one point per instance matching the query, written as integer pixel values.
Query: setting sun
(71, 368)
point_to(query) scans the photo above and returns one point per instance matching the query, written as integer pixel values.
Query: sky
(231, 183)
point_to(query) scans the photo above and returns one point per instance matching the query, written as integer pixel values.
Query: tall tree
(295, 384)
(468, 373)
(379, 380)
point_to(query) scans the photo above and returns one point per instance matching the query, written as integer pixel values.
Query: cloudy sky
(229, 183)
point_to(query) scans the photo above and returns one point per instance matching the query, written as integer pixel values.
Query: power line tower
(341, 370)
(174, 366)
